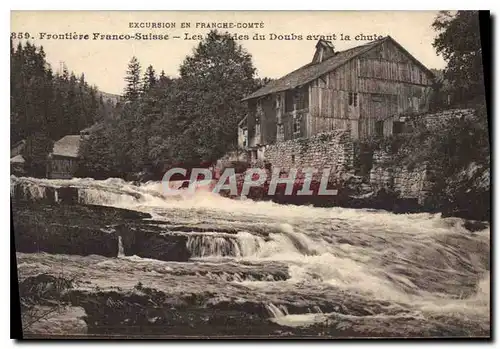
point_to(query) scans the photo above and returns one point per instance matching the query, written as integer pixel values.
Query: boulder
(468, 194)
(151, 242)
(91, 229)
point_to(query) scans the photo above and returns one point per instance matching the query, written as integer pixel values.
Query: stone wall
(333, 150)
(410, 183)
(337, 151)
(436, 121)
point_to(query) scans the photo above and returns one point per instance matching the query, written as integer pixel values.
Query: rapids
(429, 266)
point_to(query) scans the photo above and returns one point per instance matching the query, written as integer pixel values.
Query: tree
(459, 42)
(149, 80)
(178, 122)
(261, 82)
(45, 106)
(213, 82)
(38, 146)
(132, 90)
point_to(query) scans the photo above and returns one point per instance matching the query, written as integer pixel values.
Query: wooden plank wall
(378, 106)
(393, 65)
(388, 83)
(407, 98)
(268, 119)
(329, 106)
(252, 110)
(389, 71)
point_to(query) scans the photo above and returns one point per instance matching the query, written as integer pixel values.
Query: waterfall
(120, 247)
(375, 253)
(249, 244)
(97, 196)
(216, 244)
(329, 261)
(213, 245)
(276, 312)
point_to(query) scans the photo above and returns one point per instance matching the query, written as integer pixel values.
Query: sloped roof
(67, 146)
(18, 159)
(312, 71)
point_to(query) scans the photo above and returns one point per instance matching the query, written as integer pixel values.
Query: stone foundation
(408, 183)
(333, 150)
(358, 172)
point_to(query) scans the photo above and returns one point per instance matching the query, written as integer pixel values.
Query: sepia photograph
(250, 174)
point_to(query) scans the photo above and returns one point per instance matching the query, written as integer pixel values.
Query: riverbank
(121, 260)
(469, 200)
(133, 298)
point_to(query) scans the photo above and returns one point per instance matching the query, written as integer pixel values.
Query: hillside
(113, 98)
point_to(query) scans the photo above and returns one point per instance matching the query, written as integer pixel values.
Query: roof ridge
(336, 53)
(314, 70)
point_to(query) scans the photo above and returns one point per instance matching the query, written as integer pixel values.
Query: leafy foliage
(213, 82)
(459, 42)
(184, 121)
(47, 106)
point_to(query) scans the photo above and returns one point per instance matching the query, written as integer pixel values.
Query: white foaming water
(431, 263)
(32, 190)
(212, 245)
(277, 312)
(120, 247)
(239, 245)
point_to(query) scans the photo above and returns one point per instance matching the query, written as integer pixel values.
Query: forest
(47, 105)
(165, 122)
(162, 121)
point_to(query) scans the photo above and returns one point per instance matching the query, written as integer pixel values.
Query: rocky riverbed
(106, 258)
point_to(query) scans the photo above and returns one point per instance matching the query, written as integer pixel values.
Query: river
(366, 270)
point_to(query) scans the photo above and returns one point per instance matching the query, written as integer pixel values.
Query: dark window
(353, 99)
(280, 129)
(296, 124)
(397, 127)
(302, 98)
(379, 128)
(293, 159)
(245, 137)
(289, 95)
(299, 97)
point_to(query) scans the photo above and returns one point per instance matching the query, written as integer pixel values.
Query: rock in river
(90, 229)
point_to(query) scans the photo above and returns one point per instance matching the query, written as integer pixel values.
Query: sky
(104, 62)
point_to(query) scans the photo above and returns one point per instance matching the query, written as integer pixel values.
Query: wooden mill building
(63, 161)
(366, 89)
